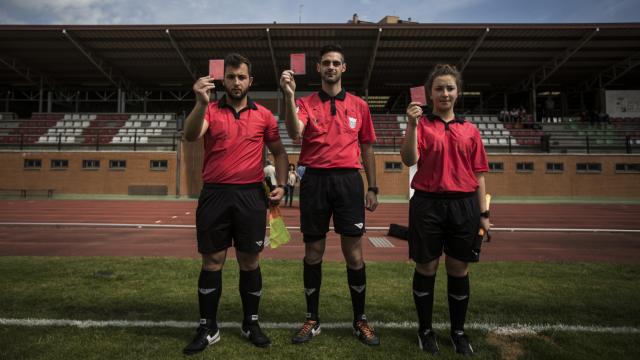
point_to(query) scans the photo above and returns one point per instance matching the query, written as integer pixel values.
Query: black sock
(250, 292)
(423, 298)
(357, 280)
(209, 290)
(312, 280)
(458, 288)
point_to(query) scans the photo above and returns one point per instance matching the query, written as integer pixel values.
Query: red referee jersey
(234, 141)
(450, 154)
(334, 129)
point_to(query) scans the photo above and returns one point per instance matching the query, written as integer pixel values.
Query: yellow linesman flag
(278, 233)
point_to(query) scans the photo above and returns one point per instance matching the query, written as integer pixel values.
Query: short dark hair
(331, 48)
(235, 60)
(442, 70)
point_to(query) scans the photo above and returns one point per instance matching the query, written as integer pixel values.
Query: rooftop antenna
(300, 6)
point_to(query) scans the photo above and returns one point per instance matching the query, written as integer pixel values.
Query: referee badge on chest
(353, 122)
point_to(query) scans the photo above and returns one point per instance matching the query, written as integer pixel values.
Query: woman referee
(448, 207)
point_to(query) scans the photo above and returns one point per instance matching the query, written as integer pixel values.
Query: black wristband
(485, 214)
(373, 189)
(281, 186)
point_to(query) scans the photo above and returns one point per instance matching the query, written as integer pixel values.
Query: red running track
(102, 241)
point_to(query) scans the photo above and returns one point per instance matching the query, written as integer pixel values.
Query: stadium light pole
(185, 60)
(467, 58)
(372, 61)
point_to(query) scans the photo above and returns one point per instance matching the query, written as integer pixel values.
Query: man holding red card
(335, 127)
(232, 207)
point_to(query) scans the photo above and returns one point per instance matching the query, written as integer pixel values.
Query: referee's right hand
(202, 88)
(288, 83)
(414, 112)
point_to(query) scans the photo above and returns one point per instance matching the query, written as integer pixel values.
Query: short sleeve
(479, 160)
(271, 133)
(367, 134)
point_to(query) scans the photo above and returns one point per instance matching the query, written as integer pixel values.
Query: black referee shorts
(331, 192)
(231, 213)
(444, 221)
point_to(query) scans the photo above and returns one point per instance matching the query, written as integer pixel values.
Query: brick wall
(509, 182)
(76, 180)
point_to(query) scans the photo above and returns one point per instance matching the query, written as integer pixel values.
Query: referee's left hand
(371, 201)
(485, 224)
(276, 195)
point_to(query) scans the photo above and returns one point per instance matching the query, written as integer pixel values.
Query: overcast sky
(317, 11)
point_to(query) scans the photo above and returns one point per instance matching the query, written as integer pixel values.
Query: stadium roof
(385, 58)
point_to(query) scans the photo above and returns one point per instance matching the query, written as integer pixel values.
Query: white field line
(370, 228)
(507, 329)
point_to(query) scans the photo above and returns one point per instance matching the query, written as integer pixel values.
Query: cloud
(327, 11)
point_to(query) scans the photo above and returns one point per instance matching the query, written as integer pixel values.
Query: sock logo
(459, 297)
(256, 293)
(254, 317)
(309, 291)
(421, 293)
(359, 225)
(358, 288)
(206, 291)
(259, 243)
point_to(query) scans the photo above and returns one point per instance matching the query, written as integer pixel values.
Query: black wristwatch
(485, 214)
(373, 189)
(281, 186)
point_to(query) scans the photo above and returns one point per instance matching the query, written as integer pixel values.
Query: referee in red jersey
(335, 127)
(232, 207)
(448, 207)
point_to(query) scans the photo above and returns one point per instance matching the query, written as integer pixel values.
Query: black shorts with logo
(331, 192)
(231, 213)
(444, 221)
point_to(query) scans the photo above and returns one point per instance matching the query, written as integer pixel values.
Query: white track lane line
(369, 228)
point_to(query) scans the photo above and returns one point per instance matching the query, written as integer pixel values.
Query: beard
(233, 95)
(332, 80)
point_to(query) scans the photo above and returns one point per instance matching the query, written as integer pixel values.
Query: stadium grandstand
(82, 102)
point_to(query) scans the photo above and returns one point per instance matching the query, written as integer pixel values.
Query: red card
(419, 95)
(216, 69)
(298, 65)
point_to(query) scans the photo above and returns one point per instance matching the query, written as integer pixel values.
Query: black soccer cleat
(205, 336)
(254, 334)
(461, 343)
(309, 329)
(365, 333)
(428, 342)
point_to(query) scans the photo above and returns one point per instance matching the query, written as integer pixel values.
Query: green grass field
(160, 289)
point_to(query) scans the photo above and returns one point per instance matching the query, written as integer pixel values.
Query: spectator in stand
(549, 105)
(504, 115)
(593, 117)
(584, 116)
(522, 114)
(514, 115)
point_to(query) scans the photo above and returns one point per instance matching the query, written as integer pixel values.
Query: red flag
(418, 95)
(216, 69)
(298, 64)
